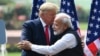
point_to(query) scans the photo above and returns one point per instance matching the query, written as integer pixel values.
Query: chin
(56, 33)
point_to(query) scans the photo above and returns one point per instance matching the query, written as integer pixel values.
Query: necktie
(47, 34)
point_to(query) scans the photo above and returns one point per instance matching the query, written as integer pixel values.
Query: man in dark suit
(34, 30)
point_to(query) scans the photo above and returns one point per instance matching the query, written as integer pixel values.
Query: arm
(67, 41)
(26, 31)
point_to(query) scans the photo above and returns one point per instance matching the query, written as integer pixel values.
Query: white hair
(65, 18)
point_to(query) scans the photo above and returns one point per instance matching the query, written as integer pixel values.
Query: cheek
(54, 28)
(52, 17)
(57, 28)
(60, 28)
(50, 20)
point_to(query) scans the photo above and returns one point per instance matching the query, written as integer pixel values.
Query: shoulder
(31, 21)
(28, 22)
(69, 36)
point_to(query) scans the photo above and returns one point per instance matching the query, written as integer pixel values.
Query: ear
(65, 26)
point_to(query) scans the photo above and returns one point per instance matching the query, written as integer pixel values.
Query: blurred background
(15, 12)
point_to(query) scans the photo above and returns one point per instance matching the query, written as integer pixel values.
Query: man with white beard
(68, 43)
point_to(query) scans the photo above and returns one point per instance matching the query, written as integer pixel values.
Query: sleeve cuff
(31, 47)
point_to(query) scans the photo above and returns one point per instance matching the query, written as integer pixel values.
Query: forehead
(57, 21)
(51, 11)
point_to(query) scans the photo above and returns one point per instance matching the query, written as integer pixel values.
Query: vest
(76, 51)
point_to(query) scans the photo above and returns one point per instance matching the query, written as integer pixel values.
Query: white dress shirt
(44, 24)
(66, 42)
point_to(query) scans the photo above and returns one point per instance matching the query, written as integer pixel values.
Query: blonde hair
(48, 7)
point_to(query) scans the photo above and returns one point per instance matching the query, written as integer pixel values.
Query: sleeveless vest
(76, 51)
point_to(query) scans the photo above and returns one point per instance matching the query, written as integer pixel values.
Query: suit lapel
(52, 35)
(41, 30)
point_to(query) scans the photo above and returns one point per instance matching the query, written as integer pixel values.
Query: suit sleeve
(27, 31)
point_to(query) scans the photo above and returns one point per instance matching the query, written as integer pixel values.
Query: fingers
(83, 44)
(20, 45)
(24, 45)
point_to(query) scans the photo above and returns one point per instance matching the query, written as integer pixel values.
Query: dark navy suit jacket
(33, 31)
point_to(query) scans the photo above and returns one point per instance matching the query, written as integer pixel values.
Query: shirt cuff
(32, 47)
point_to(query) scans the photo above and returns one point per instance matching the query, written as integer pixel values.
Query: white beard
(57, 32)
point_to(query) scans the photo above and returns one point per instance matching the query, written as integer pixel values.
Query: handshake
(26, 45)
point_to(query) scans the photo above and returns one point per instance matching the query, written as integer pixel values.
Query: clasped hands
(25, 45)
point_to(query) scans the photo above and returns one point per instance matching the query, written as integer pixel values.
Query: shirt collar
(43, 23)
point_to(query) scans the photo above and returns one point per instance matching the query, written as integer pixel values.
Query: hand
(82, 41)
(83, 44)
(26, 45)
